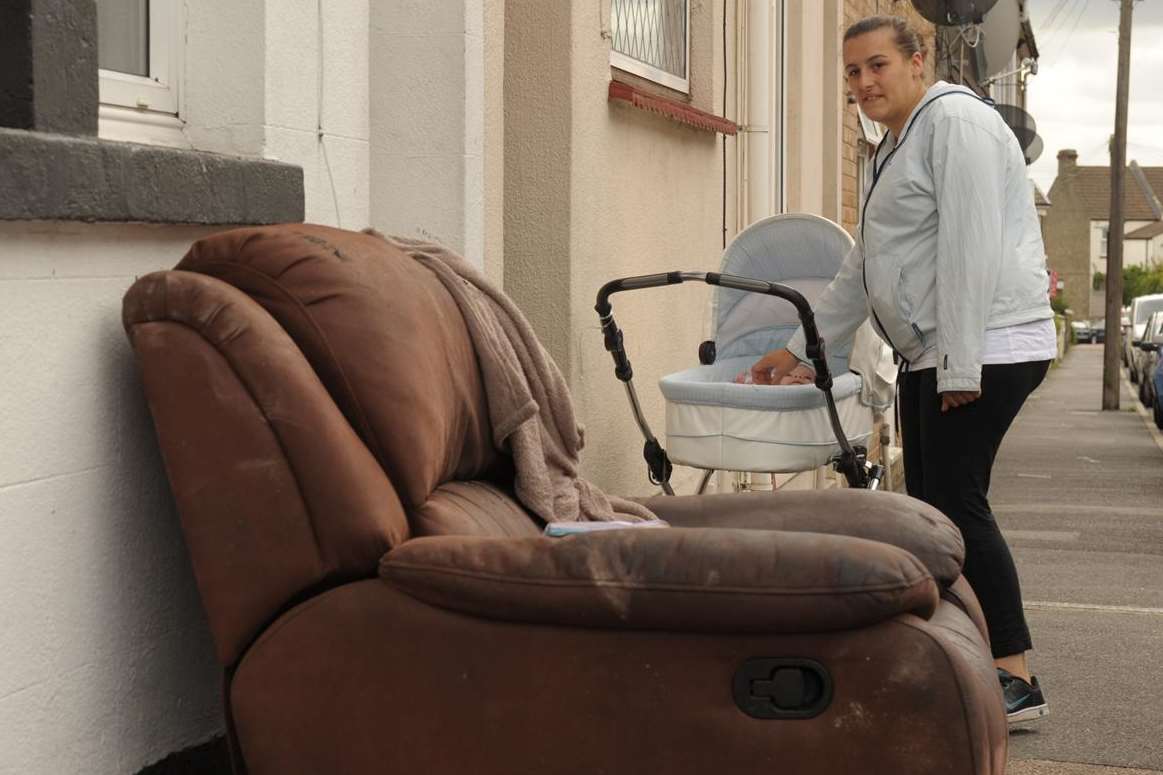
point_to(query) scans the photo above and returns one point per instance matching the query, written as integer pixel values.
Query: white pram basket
(714, 423)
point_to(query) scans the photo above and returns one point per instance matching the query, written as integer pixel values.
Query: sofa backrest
(277, 495)
(382, 333)
(311, 389)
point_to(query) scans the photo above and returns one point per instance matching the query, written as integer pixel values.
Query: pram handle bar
(813, 343)
(850, 463)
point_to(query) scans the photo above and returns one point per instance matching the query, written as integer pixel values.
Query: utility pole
(1114, 251)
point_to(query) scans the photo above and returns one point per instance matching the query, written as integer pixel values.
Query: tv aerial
(953, 13)
(981, 34)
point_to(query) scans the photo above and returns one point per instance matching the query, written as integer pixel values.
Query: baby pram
(714, 423)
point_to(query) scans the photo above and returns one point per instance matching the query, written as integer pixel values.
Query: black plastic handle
(633, 284)
(813, 342)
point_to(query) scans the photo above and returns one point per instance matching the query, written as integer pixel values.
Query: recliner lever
(782, 688)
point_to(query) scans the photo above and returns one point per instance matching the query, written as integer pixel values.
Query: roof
(1150, 231)
(1092, 186)
(1040, 198)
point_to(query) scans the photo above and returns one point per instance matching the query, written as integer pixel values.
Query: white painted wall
(1135, 252)
(107, 663)
(287, 81)
(1155, 251)
(437, 123)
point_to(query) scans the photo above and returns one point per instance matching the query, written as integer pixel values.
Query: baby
(802, 374)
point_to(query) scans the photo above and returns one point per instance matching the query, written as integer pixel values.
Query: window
(651, 39)
(138, 53)
(1104, 237)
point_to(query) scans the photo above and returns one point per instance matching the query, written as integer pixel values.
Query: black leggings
(948, 459)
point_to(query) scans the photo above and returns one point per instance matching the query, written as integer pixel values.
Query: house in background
(1076, 228)
(1146, 242)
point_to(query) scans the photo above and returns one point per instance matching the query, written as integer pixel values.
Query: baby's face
(800, 375)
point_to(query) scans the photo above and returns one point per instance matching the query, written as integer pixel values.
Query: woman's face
(886, 84)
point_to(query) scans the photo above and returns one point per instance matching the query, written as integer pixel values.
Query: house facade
(1076, 227)
(556, 145)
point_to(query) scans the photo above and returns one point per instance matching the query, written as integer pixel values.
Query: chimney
(1067, 161)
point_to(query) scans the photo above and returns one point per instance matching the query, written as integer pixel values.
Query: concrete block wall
(107, 660)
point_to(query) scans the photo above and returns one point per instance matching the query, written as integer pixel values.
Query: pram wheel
(707, 352)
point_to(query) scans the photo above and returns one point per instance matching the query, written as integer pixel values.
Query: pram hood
(800, 250)
(712, 421)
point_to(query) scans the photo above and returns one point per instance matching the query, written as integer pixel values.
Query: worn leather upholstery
(384, 336)
(276, 493)
(695, 580)
(381, 604)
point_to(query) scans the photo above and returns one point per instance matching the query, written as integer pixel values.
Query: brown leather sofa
(381, 604)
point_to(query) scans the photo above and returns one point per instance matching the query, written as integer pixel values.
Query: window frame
(637, 67)
(159, 94)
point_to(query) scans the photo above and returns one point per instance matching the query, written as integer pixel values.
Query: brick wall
(1066, 232)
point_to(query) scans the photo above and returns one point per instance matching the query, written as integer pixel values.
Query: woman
(949, 264)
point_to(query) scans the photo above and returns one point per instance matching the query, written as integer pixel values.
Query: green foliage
(1139, 281)
(1058, 304)
(1098, 282)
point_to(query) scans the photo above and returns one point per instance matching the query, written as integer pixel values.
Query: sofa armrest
(694, 580)
(888, 517)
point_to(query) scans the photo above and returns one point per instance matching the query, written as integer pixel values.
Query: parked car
(1141, 309)
(1088, 331)
(1145, 355)
(1125, 326)
(1148, 354)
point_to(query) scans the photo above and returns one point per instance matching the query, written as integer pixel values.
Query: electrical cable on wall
(320, 136)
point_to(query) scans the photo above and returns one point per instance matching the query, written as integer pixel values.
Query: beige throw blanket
(529, 403)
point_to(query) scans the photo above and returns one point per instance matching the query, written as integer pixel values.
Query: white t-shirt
(1023, 343)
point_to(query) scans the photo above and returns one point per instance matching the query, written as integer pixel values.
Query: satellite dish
(953, 13)
(1000, 30)
(1021, 122)
(1034, 151)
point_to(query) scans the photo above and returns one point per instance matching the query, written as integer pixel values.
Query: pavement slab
(1042, 767)
(1079, 494)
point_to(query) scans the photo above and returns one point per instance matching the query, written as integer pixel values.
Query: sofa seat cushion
(701, 580)
(473, 509)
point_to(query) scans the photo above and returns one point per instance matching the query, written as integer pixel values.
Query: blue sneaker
(1024, 701)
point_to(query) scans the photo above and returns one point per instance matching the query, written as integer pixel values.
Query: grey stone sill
(79, 178)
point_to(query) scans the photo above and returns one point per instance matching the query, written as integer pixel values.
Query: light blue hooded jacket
(949, 243)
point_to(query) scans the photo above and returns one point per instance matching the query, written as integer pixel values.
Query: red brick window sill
(672, 109)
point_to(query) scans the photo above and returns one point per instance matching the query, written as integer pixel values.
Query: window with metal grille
(651, 39)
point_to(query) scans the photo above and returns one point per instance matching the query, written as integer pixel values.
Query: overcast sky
(1072, 98)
